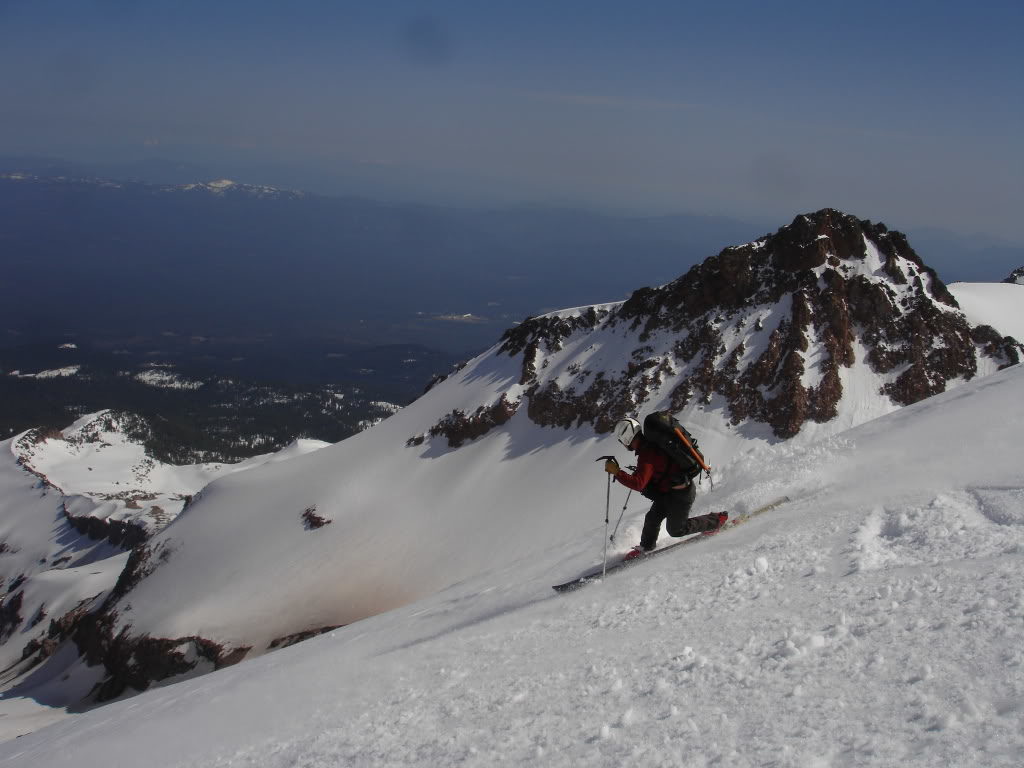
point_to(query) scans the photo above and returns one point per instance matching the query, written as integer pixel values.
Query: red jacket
(651, 464)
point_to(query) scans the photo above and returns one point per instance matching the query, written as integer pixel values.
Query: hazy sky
(909, 112)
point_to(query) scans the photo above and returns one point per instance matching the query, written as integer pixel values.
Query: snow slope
(1000, 305)
(241, 568)
(877, 619)
(106, 474)
(55, 489)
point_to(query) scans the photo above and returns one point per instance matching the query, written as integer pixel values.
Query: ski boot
(635, 552)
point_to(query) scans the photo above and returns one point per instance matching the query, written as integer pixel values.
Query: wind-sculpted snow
(876, 619)
(947, 529)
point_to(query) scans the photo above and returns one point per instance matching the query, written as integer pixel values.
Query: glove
(611, 466)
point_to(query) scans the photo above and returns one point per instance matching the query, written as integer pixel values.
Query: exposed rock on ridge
(135, 661)
(1017, 276)
(769, 326)
(459, 428)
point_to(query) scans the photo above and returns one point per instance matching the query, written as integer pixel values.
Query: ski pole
(621, 514)
(607, 508)
(607, 504)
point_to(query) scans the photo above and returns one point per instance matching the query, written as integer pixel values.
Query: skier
(660, 480)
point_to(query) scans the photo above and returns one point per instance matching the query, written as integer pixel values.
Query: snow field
(995, 304)
(876, 619)
(771, 652)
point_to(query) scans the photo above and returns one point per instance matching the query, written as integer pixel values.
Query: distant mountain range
(101, 257)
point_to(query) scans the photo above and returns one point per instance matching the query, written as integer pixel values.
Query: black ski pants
(673, 509)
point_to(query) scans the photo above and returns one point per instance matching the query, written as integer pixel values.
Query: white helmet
(627, 430)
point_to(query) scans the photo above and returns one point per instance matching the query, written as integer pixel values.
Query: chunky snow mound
(1000, 305)
(876, 619)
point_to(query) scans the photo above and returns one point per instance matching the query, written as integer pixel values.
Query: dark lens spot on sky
(426, 42)
(776, 175)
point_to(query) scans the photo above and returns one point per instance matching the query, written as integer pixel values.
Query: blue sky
(908, 112)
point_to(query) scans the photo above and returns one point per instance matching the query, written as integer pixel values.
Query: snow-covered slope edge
(71, 502)
(876, 619)
(114, 488)
(828, 323)
(997, 304)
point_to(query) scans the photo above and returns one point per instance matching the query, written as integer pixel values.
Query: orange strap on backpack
(696, 455)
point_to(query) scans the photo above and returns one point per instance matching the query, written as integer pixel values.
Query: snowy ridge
(777, 333)
(101, 465)
(995, 304)
(876, 618)
(52, 373)
(70, 503)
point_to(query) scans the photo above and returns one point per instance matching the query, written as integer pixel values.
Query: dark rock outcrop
(60, 629)
(137, 661)
(548, 332)
(298, 637)
(10, 615)
(312, 520)
(1017, 276)
(458, 427)
(133, 661)
(121, 533)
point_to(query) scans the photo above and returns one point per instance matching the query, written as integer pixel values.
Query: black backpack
(663, 430)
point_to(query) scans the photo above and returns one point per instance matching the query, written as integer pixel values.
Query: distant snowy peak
(164, 379)
(217, 188)
(111, 488)
(226, 187)
(780, 330)
(1017, 276)
(34, 447)
(51, 373)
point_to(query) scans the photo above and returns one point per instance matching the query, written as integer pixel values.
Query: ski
(594, 575)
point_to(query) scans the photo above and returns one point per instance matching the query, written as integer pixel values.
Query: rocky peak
(773, 328)
(1017, 276)
(825, 244)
